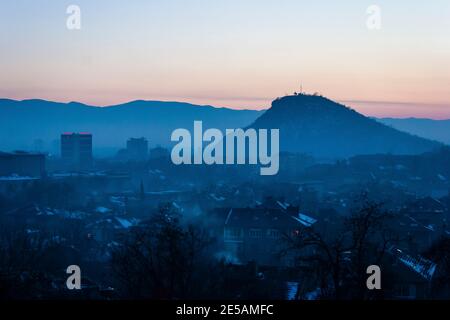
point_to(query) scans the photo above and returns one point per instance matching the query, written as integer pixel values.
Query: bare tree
(339, 259)
(22, 275)
(439, 253)
(162, 260)
(371, 237)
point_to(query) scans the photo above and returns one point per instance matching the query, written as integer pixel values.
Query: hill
(315, 125)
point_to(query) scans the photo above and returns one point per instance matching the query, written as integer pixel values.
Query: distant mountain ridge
(438, 130)
(23, 122)
(308, 124)
(318, 126)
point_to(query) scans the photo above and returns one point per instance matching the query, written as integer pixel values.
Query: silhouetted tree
(162, 261)
(439, 253)
(338, 261)
(22, 274)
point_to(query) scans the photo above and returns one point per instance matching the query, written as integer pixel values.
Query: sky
(231, 53)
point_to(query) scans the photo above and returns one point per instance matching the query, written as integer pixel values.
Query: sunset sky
(231, 53)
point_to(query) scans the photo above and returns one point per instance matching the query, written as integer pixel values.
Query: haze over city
(193, 152)
(238, 54)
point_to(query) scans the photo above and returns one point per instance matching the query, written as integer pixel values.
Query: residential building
(76, 150)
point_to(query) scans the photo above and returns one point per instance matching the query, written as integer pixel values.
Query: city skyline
(224, 153)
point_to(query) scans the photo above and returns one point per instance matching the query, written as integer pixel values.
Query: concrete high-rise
(137, 149)
(76, 150)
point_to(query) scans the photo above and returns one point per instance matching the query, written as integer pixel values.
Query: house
(110, 228)
(427, 205)
(413, 275)
(260, 234)
(23, 164)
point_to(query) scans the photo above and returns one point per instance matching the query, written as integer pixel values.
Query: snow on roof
(17, 178)
(228, 216)
(74, 214)
(305, 220)
(125, 223)
(102, 210)
(117, 200)
(212, 195)
(164, 192)
(422, 266)
(177, 206)
(60, 213)
(292, 289)
(283, 205)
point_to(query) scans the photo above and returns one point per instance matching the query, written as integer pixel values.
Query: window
(406, 291)
(274, 234)
(232, 233)
(256, 233)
